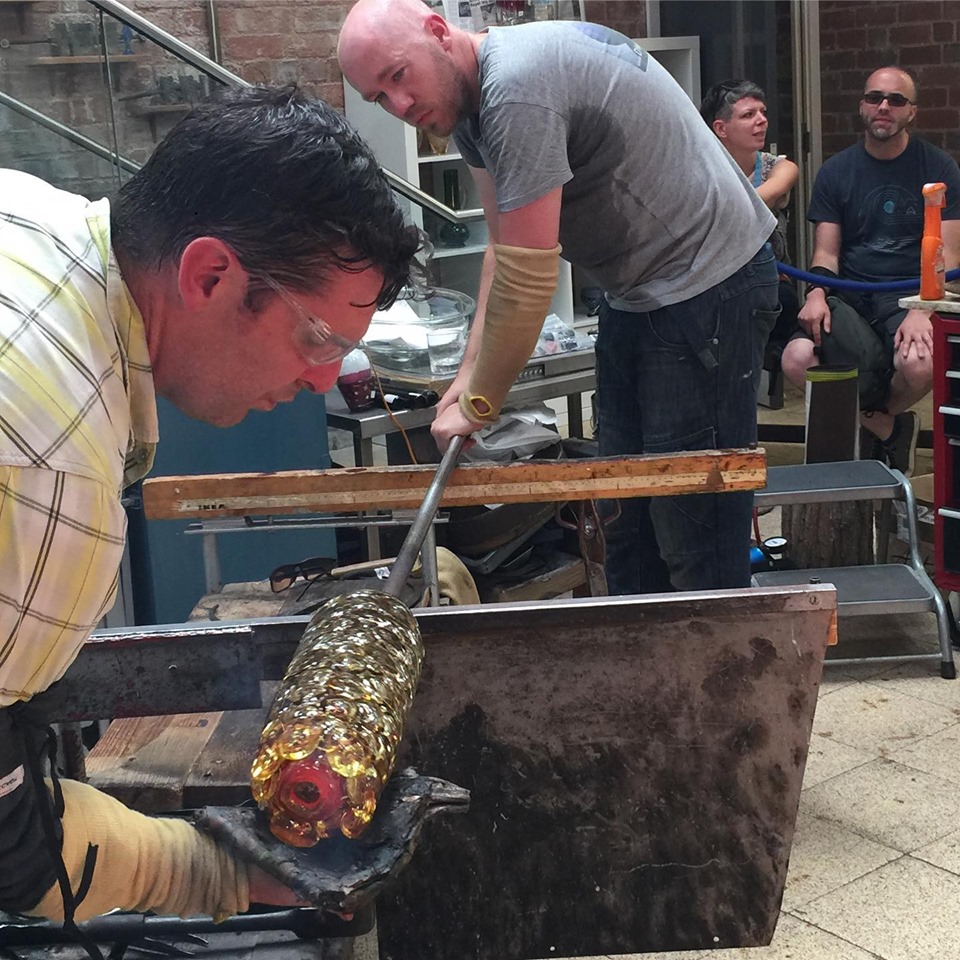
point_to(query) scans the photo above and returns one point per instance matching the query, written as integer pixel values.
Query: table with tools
(566, 375)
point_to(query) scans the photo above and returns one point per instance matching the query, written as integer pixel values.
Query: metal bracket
(589, 525)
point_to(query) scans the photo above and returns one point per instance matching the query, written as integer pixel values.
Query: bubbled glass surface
(342, 705)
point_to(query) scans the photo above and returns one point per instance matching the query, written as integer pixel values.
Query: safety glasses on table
(314, 339)
(876, 97)
(310, 570)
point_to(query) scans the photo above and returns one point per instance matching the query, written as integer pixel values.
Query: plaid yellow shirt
(78, 423)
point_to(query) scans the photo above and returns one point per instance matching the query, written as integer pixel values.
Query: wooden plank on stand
(143, 761)
(403, 487)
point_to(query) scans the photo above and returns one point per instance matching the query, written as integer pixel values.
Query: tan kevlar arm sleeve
(523, 284)
(143, 863)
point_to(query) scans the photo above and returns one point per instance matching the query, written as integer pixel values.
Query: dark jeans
(787, 324)
(684, 377)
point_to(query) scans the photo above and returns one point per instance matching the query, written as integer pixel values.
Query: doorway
(774, 43)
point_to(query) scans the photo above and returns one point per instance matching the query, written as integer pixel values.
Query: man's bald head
(876, 80)
(408, 59)
(371, 22)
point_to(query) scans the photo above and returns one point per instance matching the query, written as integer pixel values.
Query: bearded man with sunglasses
(868, 208)
(237, 267)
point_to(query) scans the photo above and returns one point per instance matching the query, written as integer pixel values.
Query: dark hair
(278, 176)
(721, 98)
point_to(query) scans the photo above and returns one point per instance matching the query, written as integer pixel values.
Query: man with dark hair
(236, 268)
(868, 207)
(576, 135)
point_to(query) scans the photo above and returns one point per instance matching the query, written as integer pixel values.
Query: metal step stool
(879, 588)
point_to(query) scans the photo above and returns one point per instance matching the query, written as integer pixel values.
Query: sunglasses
(720, 95)
(876, 97)
(315, 341)
(310, 570)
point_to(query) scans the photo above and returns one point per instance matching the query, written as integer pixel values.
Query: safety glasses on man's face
(310, 570)
(314, 339)
(876, 97)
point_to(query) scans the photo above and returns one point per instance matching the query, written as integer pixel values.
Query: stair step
(881, 588)
(825, 482)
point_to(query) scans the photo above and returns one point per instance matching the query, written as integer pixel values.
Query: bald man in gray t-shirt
(652, 206)
(577, 137)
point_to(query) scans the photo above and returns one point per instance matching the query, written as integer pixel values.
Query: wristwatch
(823, 272)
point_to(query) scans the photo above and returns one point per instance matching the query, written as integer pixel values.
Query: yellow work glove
(143, 863)
(454, 580)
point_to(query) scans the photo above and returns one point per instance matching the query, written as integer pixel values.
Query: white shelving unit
(681, 58)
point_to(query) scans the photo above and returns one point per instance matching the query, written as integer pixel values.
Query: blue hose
(890, 286)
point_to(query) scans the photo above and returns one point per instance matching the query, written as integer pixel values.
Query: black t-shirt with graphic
(879, 206)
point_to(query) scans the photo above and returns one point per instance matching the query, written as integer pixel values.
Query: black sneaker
(900, 448)
(870, 446)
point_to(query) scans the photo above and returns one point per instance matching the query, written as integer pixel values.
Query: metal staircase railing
(215, 72)
(68, 133)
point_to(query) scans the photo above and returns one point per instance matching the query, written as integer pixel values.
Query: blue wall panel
(168, 564)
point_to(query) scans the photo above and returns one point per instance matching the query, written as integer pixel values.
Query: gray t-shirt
(653, 206)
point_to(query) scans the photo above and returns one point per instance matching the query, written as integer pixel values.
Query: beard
(459, 100)
(885, 132)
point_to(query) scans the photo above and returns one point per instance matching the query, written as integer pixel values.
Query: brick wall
(627, 16)
(72, 94)
(276, 41)
(273, 41)
(264, 41)
(857, 37)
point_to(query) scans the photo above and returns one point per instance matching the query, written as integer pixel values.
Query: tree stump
(829, 534)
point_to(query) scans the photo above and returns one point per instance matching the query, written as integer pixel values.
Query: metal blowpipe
(331, 737)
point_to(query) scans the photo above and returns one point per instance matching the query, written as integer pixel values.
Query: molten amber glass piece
(332, 734)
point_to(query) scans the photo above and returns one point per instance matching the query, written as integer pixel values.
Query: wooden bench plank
(528, 481)
(158, 764)
(221, 774)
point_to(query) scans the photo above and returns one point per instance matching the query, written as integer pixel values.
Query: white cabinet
(680, 56)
